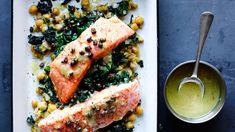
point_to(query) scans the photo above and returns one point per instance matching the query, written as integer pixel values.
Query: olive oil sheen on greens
(188, 102)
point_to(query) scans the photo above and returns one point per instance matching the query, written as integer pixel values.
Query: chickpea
(51, 107)
(85, 4)
(139, 110)
(139, 20)
(129, 125)
(133, 65)
(55, 11)
(34, 103)
(35, 28)
(65, 16)
(132, 5)
(41, 76)
(58, 27)
(134, 26)
(45, 114)
(42, 105)
(39, 23)
(135, 50)
(132, 117)
(47, 16)
(33, 9)
(141, 40)
(77, 14)
(44, 27)
(58, 19)
(39, 91)
(102, 8)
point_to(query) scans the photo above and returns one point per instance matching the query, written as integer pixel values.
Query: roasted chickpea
(132, 117)
(132, 5)
(65, 16)
(129, 125)
(34, 103)
(51, 107)
(58, 19)
(139, 110)
(55, 11)
(47, 16)
(41, 76)
(42, 105)
(39, 91)
(58, 27)
(39, 23)
(141, 40)
(77, 14)
(43, 28)
(33, 9)
(139, 20)
(134, 26)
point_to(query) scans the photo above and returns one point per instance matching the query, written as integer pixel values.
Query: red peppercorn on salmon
(104, 107)
(71, 65)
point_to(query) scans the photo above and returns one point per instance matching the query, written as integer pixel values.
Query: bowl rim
(209, 115)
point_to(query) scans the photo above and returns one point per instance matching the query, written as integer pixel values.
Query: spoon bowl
(195, 80)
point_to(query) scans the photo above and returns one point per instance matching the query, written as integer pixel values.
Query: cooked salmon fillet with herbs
(103, 108)
(71, 65)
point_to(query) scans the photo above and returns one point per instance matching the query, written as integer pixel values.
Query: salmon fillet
(71, 65)
(104, 107)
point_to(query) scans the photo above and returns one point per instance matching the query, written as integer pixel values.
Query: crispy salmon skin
(71, 65)
(104, 107)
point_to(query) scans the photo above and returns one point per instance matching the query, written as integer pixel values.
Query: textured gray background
(178, 37)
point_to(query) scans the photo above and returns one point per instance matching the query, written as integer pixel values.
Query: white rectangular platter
(23, 81)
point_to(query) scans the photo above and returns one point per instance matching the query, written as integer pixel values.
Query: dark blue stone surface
(178, 37)
(5, 65)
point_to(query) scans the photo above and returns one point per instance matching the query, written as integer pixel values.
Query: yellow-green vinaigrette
(188, 102)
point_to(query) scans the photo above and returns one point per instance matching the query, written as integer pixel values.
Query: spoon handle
(205, 24)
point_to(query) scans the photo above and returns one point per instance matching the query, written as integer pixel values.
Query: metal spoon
(205, 24)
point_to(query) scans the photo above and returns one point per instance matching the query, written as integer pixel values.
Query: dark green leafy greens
(30, 120)
(117, 126)
(35, 40)
(65, 2)
(44, 6)
(50, 35)
(121, 9)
